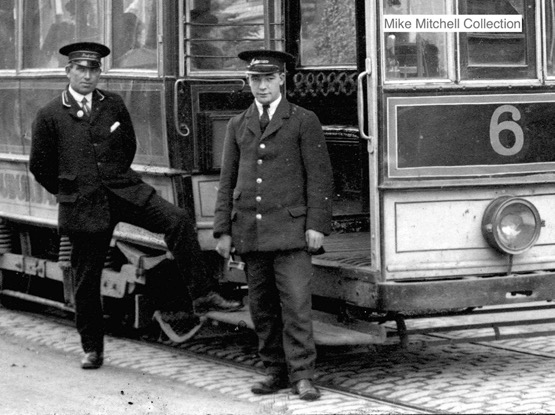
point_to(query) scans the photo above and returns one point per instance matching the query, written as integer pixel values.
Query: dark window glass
(7, 34)
(499, 55)
(328, 33)
(217, 30)
(48, 25)
(134, 28)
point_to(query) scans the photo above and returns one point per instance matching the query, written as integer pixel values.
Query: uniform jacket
(79, 160)
(274, 186)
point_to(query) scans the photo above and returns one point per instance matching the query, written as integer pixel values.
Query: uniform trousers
(89, 254)
(280, 301)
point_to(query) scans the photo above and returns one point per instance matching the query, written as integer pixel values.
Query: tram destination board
(470, 135)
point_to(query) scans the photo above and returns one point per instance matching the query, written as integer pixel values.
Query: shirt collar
(79, 97)
(272, 109)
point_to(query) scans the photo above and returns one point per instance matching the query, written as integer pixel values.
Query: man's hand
(314, 240)
(224, 246)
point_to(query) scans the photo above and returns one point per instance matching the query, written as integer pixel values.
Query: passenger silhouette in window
(129, 47)
(204, 55)
(60, 33)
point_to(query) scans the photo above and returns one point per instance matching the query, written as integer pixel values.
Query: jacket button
(259, 161)
(258, 216)
(259, 180)
(258, 198)
(262, 145)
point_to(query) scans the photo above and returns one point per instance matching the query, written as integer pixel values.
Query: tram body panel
(431, 234)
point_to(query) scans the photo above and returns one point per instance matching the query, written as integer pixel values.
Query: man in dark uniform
(274, 208)
(83, 145)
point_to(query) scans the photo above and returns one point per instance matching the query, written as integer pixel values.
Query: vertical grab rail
(361, 109)
(179, 126)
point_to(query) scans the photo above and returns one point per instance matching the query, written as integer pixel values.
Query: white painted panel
(433, 233)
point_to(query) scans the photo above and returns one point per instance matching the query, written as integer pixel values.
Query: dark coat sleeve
(228, 181)
(319, 176)
(43, 161)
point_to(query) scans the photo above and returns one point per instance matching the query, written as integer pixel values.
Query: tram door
(367, 112)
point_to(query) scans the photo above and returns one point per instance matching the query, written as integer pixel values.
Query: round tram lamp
(511, 225)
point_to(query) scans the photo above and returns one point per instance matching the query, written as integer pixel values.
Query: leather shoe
(214, 301)
(270, 384)
(306, 390)
(92, 360)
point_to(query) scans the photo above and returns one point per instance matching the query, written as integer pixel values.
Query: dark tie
(85, 107)
(265, 118)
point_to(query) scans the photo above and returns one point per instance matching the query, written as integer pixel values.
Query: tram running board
(325, 333)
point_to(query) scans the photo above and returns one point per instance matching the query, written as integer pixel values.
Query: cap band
(268, 65)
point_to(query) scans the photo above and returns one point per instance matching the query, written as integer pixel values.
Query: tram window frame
(104, 33)
(484, 71)
(458, 70)
(303, 14)
(38, 46)
(152, 30)
(548, 34)
(449, 54)
(8, 33)
(272, 29)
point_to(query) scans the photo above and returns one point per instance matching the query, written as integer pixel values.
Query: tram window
(134, 28)
(550, 36)
(328, 33)
(217, 30)
(7, 34)
(415, 54)
(11, 139)
(499, 55)
(50, 24)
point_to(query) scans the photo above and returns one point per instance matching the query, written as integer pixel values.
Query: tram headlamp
(511, 225)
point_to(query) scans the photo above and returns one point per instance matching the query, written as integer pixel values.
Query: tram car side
(471, 223)
(443, 185)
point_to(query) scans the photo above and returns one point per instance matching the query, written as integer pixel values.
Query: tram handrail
(360, 105)
(176, 106)
(176, 112)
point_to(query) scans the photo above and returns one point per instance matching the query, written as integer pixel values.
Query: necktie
(85, 107)
(265, 118)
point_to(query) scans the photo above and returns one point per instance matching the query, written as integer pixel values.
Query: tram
(441, 143)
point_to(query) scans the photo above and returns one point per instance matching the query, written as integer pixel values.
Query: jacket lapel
(253, 123)
(282, 112)
(75, 109)
(69, 102)
(97, 102)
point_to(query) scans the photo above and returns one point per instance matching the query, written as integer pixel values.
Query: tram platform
(325, 333)
(346, 249)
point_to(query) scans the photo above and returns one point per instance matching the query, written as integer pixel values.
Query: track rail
(389, 378)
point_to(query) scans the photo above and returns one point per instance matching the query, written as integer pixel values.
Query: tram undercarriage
(350, 304)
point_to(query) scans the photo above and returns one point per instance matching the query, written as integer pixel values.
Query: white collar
(272, 109)
(79, 97)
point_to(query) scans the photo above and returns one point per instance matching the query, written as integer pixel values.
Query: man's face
(266, 87)
(82, 79)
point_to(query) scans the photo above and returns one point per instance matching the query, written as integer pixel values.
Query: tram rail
(348, 370)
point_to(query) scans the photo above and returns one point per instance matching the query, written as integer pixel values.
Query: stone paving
(191, 370)
(507, 376)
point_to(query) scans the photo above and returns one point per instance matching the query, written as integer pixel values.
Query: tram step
(325, 333)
